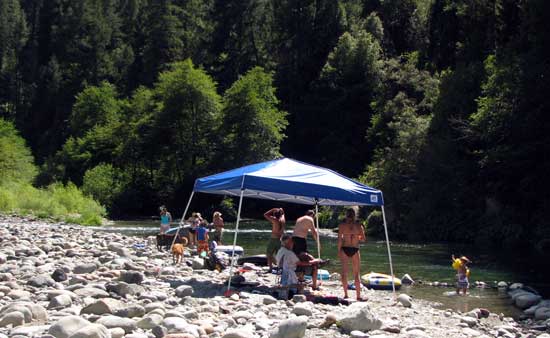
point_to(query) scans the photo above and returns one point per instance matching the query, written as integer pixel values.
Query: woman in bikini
(350, 233)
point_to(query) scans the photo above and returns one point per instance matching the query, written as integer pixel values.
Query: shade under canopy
(292, 181)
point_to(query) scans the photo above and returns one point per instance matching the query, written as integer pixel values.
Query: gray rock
(238, 333)
(23, 308)
(91, 292)
(92, 331)
(470, 321)
(19, 294)
(471, 332)
(290, 328)
(197, 263)
(14, 319)
(502, 285)
(41, 281)
(358, 316)
(358, 334)
(267, 300)
(405, 300)
(542, 313)
(85, 268)
(298, 298)
(175, 324)
(66, 326)
(102, 306)
(110, 322)
(184, 291)
(131, 311)
(526, 300)
(150, 321)
(303, 309)
(159, 331)
(131, 277)
(59, 275)
(60, 301)
(242, 314)
(116, 332)
(30, 331)
(38, 312)
(124, 289)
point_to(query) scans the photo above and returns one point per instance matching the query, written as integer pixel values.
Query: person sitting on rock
(288, 261)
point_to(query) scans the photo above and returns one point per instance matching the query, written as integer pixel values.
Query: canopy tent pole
(317, 225)
(235, 240)
(389, 251)
(182, 219)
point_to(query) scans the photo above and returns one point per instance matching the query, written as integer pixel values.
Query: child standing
(462, 273)
(202, 239)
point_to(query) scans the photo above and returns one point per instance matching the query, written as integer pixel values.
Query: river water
(425, 262)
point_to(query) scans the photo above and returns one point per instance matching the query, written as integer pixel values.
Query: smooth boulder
(67, 326)
(92, 331)
(290, 328)
(358, 316)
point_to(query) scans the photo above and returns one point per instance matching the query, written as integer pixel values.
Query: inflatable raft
(259, 260)
(380, 281)
(228, 249)
(321, 275)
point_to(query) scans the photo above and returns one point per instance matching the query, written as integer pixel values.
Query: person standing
(165, 220)
(217, 221)
(276, 217)
(304, 224)
(350, 233)
(202, 240)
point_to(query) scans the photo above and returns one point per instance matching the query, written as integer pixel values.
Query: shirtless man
(304, 224)
(350, 233)
(276, 217)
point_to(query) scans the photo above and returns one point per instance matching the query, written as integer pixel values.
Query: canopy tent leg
(317, 226)
(182, 219)
(389, 251)
(235, 240)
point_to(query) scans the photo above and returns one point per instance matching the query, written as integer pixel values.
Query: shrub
(103, 182)
(16, 161)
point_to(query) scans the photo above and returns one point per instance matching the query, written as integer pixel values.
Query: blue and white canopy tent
(291, 181)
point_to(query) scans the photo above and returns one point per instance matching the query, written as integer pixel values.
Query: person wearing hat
(217, 220)
(463, 273)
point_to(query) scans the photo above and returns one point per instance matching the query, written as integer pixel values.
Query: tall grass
(57, 201)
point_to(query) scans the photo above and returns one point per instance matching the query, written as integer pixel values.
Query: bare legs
(355, 267)
(344, 277)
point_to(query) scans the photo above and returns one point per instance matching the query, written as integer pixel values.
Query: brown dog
(177, 251)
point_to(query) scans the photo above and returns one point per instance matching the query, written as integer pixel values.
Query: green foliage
(375, 224)
(104, 183)
(252, 123)
(17, 170)
(13, 37)
(60, 202)
(187, 118)
(16, 161)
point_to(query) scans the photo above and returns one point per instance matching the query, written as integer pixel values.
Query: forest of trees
(441, 104)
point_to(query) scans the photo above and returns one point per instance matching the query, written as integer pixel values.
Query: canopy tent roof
(288, 180)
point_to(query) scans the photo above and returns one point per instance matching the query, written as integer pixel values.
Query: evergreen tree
(13, 36)
(252, 123)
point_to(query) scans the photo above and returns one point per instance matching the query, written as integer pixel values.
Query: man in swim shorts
(304, 224)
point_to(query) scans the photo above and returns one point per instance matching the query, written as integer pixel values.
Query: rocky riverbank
(66, 281)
